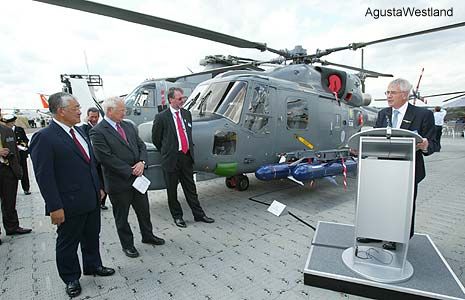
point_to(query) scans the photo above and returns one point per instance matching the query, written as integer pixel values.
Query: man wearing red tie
(122, 155)
(172, 135)
(65, 169)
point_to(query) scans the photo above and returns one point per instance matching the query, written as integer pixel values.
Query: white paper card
(276, 208)
(141, 184)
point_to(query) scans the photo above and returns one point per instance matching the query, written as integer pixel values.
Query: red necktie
(182, 134)
(76, 141)
(121, 132)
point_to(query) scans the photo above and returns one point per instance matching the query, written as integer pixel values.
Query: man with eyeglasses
(401, 114)
(65, 170)
(172, 135)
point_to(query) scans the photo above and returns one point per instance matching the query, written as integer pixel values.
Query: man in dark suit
(122, 155)
(93, 114)
(23, 143)
(10, 172)
(172, 135)
(65, 170)
(401, 114)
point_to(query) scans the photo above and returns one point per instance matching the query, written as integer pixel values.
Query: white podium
(386, 178)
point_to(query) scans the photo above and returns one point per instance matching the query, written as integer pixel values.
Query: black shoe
(204, 219)
(131, 252)
(27, 193)
(154, 241)
(389, 246)
(367, 240)
(104, 207)
(180, 223)
(19, 230)
(101, 271)
(0, 242)
(73, 288)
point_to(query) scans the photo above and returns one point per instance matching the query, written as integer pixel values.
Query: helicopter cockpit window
(231, 106)
(139, 97)
(223, 98)
(297, 114)
(259, 110)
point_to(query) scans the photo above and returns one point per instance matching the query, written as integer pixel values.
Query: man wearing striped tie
(65, 170)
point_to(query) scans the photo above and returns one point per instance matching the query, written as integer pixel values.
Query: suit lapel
(67, 139)
(115, 133)
(408, 117)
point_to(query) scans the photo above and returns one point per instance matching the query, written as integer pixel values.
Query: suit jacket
(86, 128)
(64, 177)
(415, 119)
(21, 139)
(165, 138)
(9, 141)
(116, 156)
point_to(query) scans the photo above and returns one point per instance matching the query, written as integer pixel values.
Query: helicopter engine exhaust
(303, 171)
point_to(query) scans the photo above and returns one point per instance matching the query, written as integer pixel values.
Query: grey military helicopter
(246, 121)
(149, 97)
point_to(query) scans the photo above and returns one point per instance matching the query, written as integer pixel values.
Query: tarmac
(248, 253)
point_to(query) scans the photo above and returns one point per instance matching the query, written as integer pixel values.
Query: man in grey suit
(122, 155)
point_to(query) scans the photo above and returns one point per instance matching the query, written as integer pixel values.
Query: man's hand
(58, 216)
(423, 146)
(102, 194)
(138, 169)
(4, 152)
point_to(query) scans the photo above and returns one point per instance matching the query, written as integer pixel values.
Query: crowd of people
(77, 167)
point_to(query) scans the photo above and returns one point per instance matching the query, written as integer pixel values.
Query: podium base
(433, 278)
(374, 272)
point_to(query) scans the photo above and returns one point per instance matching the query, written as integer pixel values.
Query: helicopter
(149, 97)
(244, 120)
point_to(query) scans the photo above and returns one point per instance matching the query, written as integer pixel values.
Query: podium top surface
(386, 132)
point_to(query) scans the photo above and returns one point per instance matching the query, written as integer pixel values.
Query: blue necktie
(395, 114)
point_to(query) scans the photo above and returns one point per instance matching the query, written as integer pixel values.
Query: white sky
(40, 41)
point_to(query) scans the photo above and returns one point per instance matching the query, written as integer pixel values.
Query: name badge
(9, 139)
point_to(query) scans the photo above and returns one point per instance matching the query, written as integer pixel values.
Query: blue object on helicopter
(304, 172)
(274, 171)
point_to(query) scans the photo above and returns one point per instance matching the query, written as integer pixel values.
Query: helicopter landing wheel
(242, 182)
(231, 182)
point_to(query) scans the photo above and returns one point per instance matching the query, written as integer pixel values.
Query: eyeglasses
(75, 108)
(181, 98)
(387, 93)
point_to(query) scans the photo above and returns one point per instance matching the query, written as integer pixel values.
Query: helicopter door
(140, 104)
(294, 121)
(259, 128)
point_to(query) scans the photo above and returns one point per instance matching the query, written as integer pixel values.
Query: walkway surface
(247, 253)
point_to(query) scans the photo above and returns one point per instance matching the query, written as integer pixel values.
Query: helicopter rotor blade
(368, 72)
(152, 21)
(216, 70)
(354, 46)
(443, 94)
(455, 97)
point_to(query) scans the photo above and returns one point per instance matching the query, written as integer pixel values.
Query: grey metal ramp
(432, 279)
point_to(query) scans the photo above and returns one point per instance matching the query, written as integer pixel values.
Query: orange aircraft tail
(44, 100)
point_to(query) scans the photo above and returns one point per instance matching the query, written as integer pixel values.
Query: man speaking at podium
(401, 114)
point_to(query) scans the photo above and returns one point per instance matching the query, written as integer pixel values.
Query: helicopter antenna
(416, 93)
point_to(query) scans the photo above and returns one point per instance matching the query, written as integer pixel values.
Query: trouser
(182, 174)
(25, 179)
(438, 136)
(140, 203)
(81, 229)
(8, 191)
